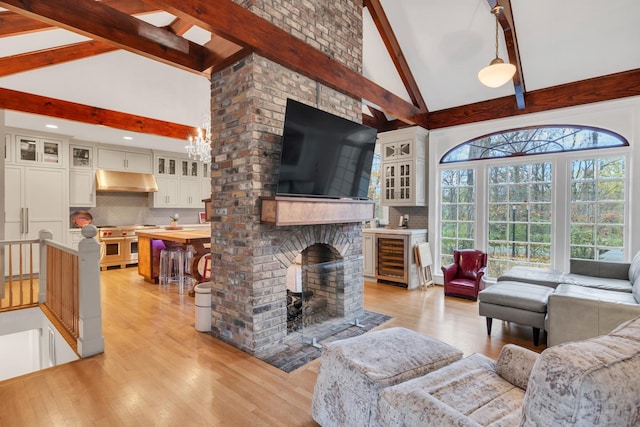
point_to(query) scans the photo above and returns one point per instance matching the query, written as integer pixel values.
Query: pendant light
(497, 72)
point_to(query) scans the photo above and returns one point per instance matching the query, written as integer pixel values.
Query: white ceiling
(445, 43)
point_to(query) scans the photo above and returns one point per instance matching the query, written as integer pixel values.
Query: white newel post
(42, 274)
(90, 341)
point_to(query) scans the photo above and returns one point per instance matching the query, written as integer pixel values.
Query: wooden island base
(152, 242)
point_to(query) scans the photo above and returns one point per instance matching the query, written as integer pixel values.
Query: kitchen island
(151, 242)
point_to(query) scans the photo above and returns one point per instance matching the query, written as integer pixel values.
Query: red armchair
(463, 278)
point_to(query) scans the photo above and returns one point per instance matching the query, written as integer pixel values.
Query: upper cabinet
(82, 181)
(128, 161)
(38, 151)
(404, 167)
(165, 166)
(181, 181)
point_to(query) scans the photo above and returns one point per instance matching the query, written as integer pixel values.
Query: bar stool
(206, 270)
(172, 268)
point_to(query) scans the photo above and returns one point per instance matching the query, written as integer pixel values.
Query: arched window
(517, 215)
(534, 140)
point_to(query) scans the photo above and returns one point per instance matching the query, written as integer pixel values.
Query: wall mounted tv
(324, 155)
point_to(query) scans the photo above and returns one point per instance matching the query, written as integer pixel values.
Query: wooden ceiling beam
(42, 105)
(395, 51)
(598, 89)
(12, 23)
(237, 24)
(505, 19)
(42, 58)
(115, 27)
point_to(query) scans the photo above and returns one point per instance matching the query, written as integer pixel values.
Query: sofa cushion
(515, 363)
(525, 296)
(534, 275)
(634, 268)
(595, 294)
(353, 370)
(591, 382)
(466, 392)
(636, 290)
(608, 284)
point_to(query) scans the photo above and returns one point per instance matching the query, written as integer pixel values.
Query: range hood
(128, 182)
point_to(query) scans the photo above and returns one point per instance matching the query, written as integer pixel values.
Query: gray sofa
(590, 300)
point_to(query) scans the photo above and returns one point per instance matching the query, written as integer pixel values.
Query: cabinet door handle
(26, 222)
(21, 220)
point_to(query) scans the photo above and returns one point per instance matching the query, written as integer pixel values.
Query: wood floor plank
(158, 370)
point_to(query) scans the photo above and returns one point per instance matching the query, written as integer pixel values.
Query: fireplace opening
(316, 294)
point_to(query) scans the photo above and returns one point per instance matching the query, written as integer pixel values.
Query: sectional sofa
(590, 300)
(594, 382)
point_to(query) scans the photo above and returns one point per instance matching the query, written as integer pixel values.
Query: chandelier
(200, 146)
(497, 72)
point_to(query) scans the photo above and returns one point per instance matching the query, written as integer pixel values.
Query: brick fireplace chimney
(250, 259)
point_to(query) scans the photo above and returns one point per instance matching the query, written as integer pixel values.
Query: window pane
(465, 230)
(457, 212)
(610, 190)
(519, 229)
(611, 213)
(582, 212)
(597, 227)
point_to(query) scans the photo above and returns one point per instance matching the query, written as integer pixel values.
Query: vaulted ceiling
(420, 57)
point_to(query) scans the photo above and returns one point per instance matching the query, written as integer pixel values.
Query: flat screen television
(324, 155)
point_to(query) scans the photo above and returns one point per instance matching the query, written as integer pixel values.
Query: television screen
(324, 155)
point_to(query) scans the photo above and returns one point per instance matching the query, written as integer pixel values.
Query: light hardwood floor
(158, 371)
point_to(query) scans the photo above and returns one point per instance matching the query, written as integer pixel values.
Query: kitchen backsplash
(418, 216)
(135, 208)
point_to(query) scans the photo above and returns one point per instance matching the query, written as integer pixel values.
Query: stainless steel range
(119, 245)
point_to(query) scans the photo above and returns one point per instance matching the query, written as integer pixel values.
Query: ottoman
(353, 370)
(518, 302)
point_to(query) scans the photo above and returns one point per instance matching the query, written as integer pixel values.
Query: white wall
(26, 345)
(621, 116)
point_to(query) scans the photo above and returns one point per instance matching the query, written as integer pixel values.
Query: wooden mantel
(282, 210)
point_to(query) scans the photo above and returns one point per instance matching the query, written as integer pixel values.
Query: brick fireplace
(250, 258)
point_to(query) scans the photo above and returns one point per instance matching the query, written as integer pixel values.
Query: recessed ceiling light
(50, 126)
(128, 138)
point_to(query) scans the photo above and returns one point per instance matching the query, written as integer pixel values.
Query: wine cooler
(393, 256)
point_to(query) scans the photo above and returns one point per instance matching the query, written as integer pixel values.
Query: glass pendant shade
(496, 73)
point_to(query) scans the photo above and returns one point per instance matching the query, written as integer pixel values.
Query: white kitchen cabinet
(189, 168)
(165, 166)
(181, 182)
(167, 194)
(81, 157)
(34, 201)
(39, 151)
(205, 192)
(75, 237)
(404, 167)
(82, 188)
(129, 161)
(368, 252)
(8, 152)
(190, 193)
